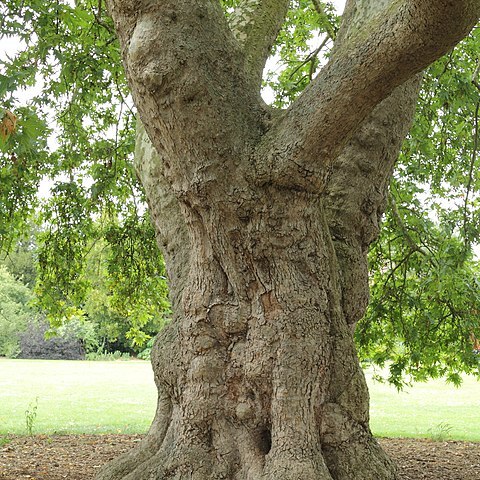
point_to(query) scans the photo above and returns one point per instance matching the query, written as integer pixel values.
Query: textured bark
(265, 219)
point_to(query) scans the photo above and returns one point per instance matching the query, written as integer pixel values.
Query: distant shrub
(33, 344)
(83, 330)
(10, 347)
(146, 353)
(108, 356)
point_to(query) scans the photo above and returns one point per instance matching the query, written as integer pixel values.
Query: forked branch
(377, 54)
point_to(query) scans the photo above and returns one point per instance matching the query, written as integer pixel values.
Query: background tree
(14, 313)
(21, 259)
(268, 272)
(109, 319)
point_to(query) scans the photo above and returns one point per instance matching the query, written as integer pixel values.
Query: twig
(311, 56)
(476, 73)
(98, 18)
(414, 247)
(472, 163)
(323, 14)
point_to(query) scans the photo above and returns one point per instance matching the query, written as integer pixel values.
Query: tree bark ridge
(356, 193)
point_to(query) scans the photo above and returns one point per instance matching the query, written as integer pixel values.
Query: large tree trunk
(257, 374)
(264, 219)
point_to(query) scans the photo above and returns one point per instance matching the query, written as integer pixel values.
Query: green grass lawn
(119, 397)
(77, 397)
(429, 409)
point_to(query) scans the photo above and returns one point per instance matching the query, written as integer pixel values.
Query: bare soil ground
(78, 457)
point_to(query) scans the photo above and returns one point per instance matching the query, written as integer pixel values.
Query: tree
(265, 218)
(21, 261)
(14, 313)
(269, 217)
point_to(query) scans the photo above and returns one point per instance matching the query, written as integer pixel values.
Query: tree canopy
(68, 117)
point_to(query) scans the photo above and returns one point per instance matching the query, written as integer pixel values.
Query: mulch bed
(78, 457)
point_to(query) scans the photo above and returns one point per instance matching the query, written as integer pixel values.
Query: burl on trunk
(265, 218)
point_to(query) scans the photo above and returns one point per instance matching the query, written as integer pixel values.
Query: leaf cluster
(74, 138)
(424, 315)
(15, 312)
(300, 49)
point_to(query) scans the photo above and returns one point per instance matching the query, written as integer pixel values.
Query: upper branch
(187, 78)
(255, 24)
(379, 52)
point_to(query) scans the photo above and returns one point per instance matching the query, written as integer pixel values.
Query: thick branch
(255, 24)
(188, 82)
(356, 194)
(377, 55)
